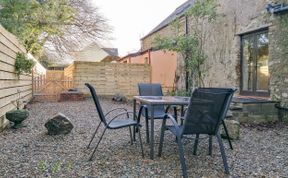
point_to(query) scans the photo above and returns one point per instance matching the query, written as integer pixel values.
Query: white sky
(133, 19)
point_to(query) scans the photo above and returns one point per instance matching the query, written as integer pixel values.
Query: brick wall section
(110, 78)
(9, 82)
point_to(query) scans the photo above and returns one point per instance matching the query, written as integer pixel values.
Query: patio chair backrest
(206, 111)
(97, 103)
(211, 89)
(151, 89)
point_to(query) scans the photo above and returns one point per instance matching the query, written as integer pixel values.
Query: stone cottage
(243, 47)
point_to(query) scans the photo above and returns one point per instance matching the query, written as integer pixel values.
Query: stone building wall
(279, 65)
(222, 44)
(147, 42)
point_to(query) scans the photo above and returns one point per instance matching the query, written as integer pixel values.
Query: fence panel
(49, 87)
(10, 85)
(110, 78)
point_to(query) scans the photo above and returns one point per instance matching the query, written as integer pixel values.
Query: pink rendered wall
(163, 66)
(141, 59)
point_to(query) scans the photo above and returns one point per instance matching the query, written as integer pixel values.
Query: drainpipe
(149, 63)
(149, 56)
(186, 72)
(186, 26)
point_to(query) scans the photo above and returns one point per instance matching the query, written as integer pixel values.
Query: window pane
(262, 62)
(247, 64)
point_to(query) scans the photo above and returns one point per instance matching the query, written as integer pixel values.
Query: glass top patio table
(158, 100)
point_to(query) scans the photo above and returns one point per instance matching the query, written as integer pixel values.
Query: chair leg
(131, 136)
(182, 158)
(210, 145)
(90, 159)
(223, 153)
(175, 114)
(196, 144)
(94, 135)
(135, 129)
(140, 139)
(161, 137)
(147, 130)
(228, 137)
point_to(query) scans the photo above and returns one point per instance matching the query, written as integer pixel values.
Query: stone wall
(222, 45)
(279, 65)
(147, 42)
(254, 112)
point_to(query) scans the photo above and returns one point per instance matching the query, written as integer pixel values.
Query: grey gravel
(29, 152)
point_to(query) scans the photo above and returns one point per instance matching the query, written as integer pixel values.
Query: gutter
(277, 8)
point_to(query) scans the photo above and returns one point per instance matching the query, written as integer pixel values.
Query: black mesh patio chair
(114, 123)
(225, 113)
(203, 116)
(152, 89)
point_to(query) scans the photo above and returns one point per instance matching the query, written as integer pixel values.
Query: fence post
(33, 83)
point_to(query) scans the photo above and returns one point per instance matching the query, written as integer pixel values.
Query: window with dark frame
(254, 64)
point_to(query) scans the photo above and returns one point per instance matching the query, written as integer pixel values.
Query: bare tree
(88, 26)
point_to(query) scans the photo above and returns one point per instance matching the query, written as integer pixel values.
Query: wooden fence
(109, 78)
(48, 87)
(10, 85)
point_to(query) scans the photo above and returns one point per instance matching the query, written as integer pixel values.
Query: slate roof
(177, 13)
(111, 51)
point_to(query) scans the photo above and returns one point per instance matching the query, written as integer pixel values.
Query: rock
(233, 128)
(119, 97)
(59, 124)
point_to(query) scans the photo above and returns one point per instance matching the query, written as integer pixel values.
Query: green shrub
(23, 65)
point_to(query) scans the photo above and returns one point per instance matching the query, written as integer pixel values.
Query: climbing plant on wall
(190, 44)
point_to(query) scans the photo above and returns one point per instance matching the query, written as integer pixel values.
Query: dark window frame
(255, 53)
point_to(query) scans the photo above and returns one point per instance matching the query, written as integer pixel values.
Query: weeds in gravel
(54, 168)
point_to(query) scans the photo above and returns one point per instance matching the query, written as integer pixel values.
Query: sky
(133, 19)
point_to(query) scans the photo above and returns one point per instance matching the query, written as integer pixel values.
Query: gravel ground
(29, 152)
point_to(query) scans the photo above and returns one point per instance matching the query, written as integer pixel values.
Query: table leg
(182, 114)
(134, 117)
(152, 133)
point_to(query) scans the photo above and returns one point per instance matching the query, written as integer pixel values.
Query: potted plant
(18, 115)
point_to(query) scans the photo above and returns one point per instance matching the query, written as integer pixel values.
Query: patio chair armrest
(169, 116)
(140, 112)
(170, 106)
(115, 110)
(120, 114)
(184, 111)
(145, 107)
